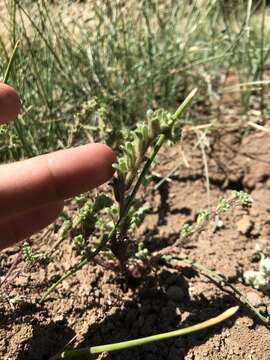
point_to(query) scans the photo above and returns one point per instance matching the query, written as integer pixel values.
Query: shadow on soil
(162, 304)
(46, 341)
(43, 340)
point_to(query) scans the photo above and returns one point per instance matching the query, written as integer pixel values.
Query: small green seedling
(28, 254)
(105, 226)
(205, 216)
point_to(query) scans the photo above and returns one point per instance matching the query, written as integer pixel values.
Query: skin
(32, 192)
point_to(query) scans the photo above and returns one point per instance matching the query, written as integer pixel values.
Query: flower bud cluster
(28, 254)
(86, 214)
(244, 198)
(142, 252)
(82, 214)
(134, 151)
(78, 243)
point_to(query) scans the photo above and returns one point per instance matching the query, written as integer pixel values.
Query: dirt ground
(91, 308)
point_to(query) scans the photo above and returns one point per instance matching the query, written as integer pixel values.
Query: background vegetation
(127, 57)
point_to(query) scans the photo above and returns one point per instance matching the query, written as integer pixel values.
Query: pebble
(253, 298)
(244, 225)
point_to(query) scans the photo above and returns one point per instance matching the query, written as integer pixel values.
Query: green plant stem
(184, 104)
(146, 340)
(205, 164)
(10, 63)
(13, 19)
(145, 169)
(222, 283)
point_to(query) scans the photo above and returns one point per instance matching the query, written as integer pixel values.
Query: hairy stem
(145, 169)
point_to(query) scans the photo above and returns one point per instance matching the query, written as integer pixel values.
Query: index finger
(9, 103)
(32, 183)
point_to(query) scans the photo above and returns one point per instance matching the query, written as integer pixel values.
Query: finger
(48, 178)
(23, 226)
(9, 103)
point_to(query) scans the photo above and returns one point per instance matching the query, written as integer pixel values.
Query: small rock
(254, 298)
(175, 293)
(59, 317)
(244, 225)
(178, 312)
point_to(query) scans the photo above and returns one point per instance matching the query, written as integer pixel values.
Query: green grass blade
(11, 60)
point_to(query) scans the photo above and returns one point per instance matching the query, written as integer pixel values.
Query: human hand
(32, 191)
